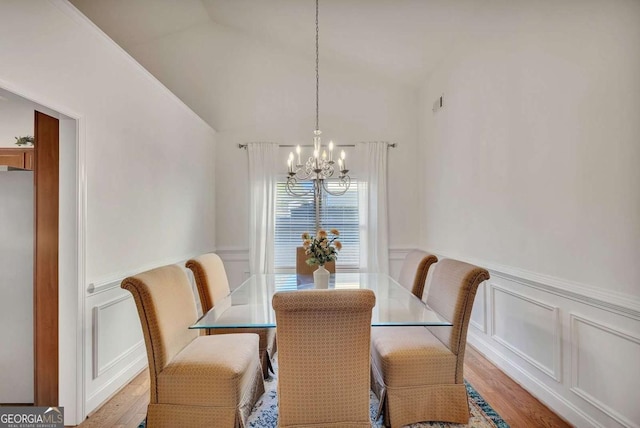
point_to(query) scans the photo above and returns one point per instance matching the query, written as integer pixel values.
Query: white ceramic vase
(321, 277)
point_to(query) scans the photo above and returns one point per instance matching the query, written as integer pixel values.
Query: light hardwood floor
(516, 406)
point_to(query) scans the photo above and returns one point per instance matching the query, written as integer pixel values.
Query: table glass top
(249, 305)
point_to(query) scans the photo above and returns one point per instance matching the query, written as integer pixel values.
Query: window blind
(296, 215)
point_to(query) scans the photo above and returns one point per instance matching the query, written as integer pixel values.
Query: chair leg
(381, 403)
(269, 365)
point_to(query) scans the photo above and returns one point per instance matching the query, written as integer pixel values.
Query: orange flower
(321, 249)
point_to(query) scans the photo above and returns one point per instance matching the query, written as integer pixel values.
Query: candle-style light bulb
(340, 164)
(330, 150)
(343, 155)
(298, 152)
(324, 155)
(343, 164)
(289, 163)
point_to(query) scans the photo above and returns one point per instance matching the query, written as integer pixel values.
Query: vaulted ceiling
(401, 39)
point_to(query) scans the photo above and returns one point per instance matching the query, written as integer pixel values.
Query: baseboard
(526, 380)
(116, 383)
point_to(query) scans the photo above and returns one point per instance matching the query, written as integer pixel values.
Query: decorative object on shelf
(24, 141)
(321, 249)
(320, 167)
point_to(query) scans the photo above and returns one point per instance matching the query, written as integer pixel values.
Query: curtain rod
(244, 146)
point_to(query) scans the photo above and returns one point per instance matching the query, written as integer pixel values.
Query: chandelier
(320, 169)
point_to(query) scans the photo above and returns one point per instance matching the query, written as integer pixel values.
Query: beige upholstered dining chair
(196, 380)
(323, 357)
(413, 273)
(213, 285)
(417, 372)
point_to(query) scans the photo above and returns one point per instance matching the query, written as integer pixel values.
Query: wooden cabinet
(21, 158)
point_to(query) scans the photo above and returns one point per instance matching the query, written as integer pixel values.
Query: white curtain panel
(263, 161)
(374, 231)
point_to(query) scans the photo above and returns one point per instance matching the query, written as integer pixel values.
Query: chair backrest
(324, 338)
(453, 289)
(166, 308)
(211, 279)
(413, 273)
(302, 268)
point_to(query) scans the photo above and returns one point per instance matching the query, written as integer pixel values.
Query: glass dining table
(249, 305)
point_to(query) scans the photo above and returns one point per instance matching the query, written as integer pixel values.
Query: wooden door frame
(45, 265)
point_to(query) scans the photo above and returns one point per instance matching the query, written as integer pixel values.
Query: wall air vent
(438, 103)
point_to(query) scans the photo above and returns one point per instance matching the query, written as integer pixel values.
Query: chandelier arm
(303, 175)
(344, 182)
(327, 170)
(291, 182)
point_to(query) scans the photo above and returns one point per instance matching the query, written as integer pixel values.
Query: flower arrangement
(321, 248)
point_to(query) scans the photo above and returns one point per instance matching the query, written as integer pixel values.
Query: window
(295, 215)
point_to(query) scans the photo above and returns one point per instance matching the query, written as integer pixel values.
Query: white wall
(531, 169)
(16, 286)
(532, 162)
(16, 119)
(146, 163)
(251, 91)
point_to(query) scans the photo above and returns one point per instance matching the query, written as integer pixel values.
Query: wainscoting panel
(116, 333)
(574, 348)
(115, 350)
(479, 311)
(528, 328)
(236, 264)
(606, 368)
(396, 258)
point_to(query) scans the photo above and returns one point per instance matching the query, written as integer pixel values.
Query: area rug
(265, 412)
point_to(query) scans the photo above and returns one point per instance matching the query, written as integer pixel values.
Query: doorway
(58, 269)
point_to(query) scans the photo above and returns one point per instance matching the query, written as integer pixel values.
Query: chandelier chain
(320, 168)
(317, 71)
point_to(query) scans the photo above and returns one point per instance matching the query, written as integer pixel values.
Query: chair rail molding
(621, 303)
(236, 261)
(236, 254)
(551, 335)
(108, 311)
(113, 281)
